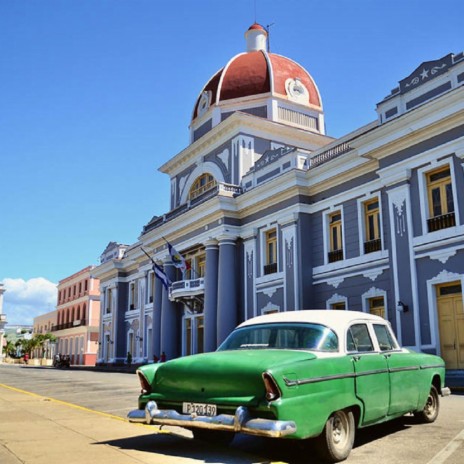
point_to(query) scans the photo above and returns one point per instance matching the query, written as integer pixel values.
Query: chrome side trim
(240, 422)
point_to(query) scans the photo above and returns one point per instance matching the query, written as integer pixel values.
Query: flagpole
(191, 268)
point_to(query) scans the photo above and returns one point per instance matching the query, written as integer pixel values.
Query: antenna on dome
(268, 30)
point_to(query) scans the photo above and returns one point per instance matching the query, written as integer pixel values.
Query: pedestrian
(163, 357)
(129, 358)
(26, 357)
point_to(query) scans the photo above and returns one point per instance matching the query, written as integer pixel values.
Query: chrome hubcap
(338, 430)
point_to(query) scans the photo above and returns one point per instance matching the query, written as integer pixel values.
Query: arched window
(78, 313)
(83, 311)
(202, 184)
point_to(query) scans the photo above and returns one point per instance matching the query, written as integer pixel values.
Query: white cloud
(23, 300)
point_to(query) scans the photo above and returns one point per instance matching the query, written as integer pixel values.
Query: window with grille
(335, 237)
(372, 240)
(201, 185)
(270, 266)
(440, 199)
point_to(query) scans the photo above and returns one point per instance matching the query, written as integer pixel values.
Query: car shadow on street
(247, 449)
(173, 445)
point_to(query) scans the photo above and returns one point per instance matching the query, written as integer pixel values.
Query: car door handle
(387, 355)
(356, 358)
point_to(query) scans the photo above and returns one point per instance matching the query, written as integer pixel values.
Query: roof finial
(256, 37)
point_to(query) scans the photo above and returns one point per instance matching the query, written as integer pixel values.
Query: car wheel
(213, 436)
(336, 440)
(431, 409)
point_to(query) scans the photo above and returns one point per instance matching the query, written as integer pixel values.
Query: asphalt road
(102, 399)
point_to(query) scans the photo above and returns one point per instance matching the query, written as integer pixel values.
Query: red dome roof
(257, 73)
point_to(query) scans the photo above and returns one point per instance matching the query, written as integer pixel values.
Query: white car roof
(336, 319)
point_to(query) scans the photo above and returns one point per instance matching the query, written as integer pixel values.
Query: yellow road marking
(76, 406)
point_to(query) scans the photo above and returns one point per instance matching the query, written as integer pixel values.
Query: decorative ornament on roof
(296, 90)
(204, 103)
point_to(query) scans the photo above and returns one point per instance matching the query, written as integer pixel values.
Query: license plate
(200, 409)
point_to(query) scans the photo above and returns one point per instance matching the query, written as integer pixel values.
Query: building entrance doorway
(451, 324)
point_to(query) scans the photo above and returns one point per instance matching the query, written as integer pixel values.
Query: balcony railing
(336, 255)
(329, 154)
(220, 188)
(183, 288)
(69, 325)
(372, 245)
(441, 222)
(270, 268)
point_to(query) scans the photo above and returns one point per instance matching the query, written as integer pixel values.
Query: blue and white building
(271, 214)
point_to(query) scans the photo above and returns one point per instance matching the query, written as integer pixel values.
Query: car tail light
(146, 387)
(272, 390)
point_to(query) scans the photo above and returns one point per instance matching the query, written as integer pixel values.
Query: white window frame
(423, 192)
(326, 232)
(194, 320)
(263, 245)
(362, 221)
(336, 298)
(374, 292)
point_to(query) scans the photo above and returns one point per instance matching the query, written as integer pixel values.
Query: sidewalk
(39, 430)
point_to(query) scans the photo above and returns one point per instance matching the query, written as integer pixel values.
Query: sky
(96, 95)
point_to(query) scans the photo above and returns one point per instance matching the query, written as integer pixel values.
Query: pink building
(78, 317)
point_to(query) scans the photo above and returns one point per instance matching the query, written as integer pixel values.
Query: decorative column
(290, 263)
(403, 264)
(157, 304)
(249, 251)
(169, 318)
(211, 295)
(227, 287)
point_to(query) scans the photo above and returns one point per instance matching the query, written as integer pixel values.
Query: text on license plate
(200, 409)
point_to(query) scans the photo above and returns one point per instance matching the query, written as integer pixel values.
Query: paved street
(78, 416)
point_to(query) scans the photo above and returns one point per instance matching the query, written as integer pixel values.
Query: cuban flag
(161, 275)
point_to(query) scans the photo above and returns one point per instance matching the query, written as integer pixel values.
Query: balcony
(336, 255)
(220, 189)
(187, 288)
(2, 317)
(441, 222)
(372, 245)
(69, 325)
(270, 268)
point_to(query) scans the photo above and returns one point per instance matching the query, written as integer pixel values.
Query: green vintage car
(295, 375)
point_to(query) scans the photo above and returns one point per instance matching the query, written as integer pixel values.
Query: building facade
(3, 322)
(271, 214)
(44, 324)
(78, 317)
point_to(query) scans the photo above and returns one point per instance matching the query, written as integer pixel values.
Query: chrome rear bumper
(240, 422)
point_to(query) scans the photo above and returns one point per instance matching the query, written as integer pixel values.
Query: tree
(9, 348)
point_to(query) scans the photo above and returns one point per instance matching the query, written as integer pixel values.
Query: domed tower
(264, 84)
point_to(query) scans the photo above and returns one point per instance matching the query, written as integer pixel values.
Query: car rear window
(313, 337)
(358, 338)
(385, 338)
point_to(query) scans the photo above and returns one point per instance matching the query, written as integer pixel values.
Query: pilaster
(211, 294)
(227, 287)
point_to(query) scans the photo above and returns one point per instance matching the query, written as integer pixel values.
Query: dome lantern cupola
(266, 85)
(256, 38)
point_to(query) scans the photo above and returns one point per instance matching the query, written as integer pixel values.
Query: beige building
(78, 317)
(42, 325)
